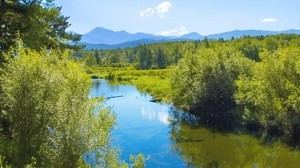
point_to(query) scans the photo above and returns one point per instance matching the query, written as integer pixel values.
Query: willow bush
(50, 120)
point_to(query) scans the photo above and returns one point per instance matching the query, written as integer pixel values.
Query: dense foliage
(166, 54)
(270, 95)
(50, 121)
(251, 82)
(204, 84)
(153, 56)
(39, 23)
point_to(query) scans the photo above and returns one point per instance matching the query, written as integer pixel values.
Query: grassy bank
(154, 82)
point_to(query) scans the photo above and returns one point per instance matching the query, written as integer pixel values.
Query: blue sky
(177, 17)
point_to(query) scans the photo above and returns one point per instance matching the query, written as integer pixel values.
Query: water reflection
(202, 148)
(151, 114)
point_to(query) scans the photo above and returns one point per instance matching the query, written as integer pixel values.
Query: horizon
(176, 18)
(192, 32)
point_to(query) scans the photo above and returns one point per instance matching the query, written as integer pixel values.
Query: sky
(178, 17)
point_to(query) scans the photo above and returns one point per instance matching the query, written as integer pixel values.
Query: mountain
(135, 43)
(193, 36)
(101, 38)
(101, 35)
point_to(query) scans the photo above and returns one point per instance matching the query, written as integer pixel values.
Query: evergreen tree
(39, 23)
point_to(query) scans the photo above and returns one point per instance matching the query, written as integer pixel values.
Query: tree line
(167, 54)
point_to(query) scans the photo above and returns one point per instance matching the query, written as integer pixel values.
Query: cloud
(160, 9)
(147, 12)
(174, 32)
(268, 20)
(163, 7)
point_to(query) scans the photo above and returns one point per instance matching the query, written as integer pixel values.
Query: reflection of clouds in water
(152, 115)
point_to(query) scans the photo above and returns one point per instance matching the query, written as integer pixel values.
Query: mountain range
(101, 38)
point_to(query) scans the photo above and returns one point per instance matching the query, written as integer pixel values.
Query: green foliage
(270, 96)
(223, 86)
(152, 56)
(38, 23)
(168, 54)
(51, 121)
(204, 84)
(138, 161)
(250, 47)
(2, 163)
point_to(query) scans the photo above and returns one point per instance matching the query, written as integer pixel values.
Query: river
(171, 139)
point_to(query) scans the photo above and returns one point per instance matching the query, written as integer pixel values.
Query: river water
(171, 139)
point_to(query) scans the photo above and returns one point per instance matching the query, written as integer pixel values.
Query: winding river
(171, 139)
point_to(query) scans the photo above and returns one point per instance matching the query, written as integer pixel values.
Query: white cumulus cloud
(269, 20)
(160, 9)
(174, 32)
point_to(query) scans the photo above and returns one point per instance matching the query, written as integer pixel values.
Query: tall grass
(155, 82)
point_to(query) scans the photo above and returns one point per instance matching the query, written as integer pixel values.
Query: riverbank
(154, 82)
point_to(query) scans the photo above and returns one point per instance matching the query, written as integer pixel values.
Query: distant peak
(100, 28)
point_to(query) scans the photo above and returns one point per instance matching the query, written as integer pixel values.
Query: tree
(271, 44)
(204, 84)
(145, 57)
(160, 58)
(39, 23)
(270, 96)
(52, 121)
(249, 47)
(97, 56)
(206, 42)
(90, 59)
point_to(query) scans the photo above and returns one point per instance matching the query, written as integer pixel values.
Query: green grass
(155, 82)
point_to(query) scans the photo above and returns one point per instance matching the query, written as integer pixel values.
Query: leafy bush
(270, 96)
(51, 121)
(204, 84)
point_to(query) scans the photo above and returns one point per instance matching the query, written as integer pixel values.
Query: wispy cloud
(163, 7)
(160, 9)
(268, 20)
(147, 12)
(174, 32)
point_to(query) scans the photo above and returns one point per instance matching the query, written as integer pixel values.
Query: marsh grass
(155, 82)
